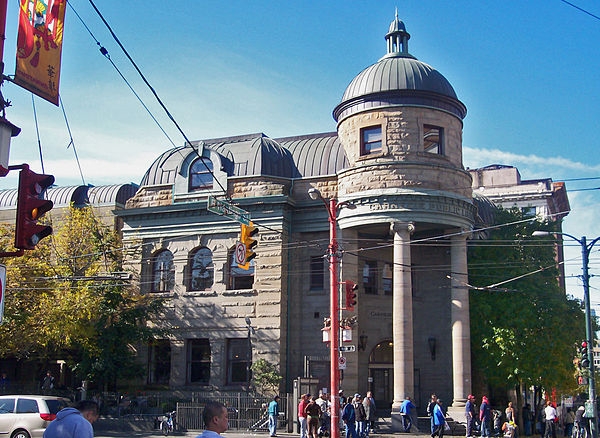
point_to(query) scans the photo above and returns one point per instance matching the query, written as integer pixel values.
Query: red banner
(39, 47)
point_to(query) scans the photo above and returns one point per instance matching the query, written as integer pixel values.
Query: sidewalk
(237, 434)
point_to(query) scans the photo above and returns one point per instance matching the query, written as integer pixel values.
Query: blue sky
(527, 72)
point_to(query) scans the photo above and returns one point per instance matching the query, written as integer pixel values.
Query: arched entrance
(381, 374)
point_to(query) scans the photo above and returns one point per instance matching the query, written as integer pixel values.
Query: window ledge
(169, 294)
(200, 293)
(234, 292)
(370, 156)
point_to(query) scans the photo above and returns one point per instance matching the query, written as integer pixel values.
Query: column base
(397, 423)
(457, 413)
(459, 402)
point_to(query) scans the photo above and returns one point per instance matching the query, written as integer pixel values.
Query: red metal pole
(335, 324)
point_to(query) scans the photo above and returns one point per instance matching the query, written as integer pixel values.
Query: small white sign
(348, 348)
(240, 253)
(2, 291)
(342, 363)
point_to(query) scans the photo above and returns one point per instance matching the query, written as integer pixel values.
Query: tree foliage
(526, 335)
(62, 301)
(265, 376)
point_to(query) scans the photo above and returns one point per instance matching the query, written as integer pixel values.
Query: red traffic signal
(31, 206)
(350, 294)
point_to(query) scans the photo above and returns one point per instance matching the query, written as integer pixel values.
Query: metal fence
(246, 411)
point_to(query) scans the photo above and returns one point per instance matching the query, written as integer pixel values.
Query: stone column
(461, 331)
(402, 315)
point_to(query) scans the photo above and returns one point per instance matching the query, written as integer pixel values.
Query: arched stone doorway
(381, 374)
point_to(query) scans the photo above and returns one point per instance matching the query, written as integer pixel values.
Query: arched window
(163, 272)
(238, 278)
(382, 353)
(201, 177)
(200, 269)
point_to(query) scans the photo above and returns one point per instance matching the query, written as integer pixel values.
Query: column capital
(399, 227)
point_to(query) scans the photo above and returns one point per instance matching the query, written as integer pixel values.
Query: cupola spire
(397, 39)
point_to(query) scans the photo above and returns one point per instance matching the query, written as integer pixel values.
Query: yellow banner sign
(39, 47)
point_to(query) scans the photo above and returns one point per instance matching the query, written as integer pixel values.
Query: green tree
(62, 301)
(526, 335)
(265, 376)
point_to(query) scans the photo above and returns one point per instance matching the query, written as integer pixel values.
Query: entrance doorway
(381, 374)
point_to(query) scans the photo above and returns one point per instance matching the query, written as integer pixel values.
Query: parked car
(27, 416)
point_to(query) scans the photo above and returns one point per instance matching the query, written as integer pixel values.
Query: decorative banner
(39, 46)
(2, 291)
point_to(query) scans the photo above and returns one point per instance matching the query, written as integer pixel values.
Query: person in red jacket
(301, 415)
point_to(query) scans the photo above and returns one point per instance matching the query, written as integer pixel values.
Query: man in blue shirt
(273, 414)
(405, 408)
(215, 420)
(470, 414)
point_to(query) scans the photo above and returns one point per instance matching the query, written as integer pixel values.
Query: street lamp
(333, 208)
(589, 334)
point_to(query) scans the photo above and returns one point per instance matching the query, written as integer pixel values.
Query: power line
(581, 9)
(188, 141)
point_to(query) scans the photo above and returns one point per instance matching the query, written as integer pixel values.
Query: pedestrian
(313, 413)
(360, 416)
(371, 411)
(273, 415)
(48, 383)
(4, 383)
(497, 418)
(510, 429)
(430, 406)
(470, 414)
(569, 421)
(485, 415)
(215, 420)
(405, 411)
(324, 420)
(510, 413)
(527, 419)
(302, 415)
(551, 416)
(349, 418)
(342, 402)
(74, 422)
(439, 420)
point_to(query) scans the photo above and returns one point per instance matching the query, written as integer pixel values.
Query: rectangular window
(27, 406)
(370, 277)
(387, 279)
(433, 139)
(159, 361)
(238, 361)
(198, 361)
(7, 405)
(370, 140)
(528, 211)
(317, 273)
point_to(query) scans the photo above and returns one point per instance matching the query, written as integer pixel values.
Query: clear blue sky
(527, 72)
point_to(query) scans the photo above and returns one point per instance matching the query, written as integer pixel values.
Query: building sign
(39, 47)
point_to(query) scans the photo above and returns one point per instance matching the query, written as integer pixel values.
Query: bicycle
(166, 423)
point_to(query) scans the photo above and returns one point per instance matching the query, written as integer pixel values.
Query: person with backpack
(349, 419)
(430, 406)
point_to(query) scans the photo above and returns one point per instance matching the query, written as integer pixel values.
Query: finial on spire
(396, 12)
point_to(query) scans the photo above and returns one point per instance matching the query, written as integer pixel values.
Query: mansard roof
(256, 155)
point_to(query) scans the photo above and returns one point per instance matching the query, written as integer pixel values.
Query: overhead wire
(159, 100)
(37, 131)
(71, 141)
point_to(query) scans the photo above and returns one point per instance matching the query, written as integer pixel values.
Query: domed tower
(400, 123)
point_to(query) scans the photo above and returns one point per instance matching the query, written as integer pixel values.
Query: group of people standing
(357, 415)
(492, 423)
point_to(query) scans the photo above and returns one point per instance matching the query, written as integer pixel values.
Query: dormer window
(433, 139)
(370, 140)
(201, 177)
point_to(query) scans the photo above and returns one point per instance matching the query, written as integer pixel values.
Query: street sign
(348, 348)
(240, 253)
(224, 208)
(2, 291)
(342, 363)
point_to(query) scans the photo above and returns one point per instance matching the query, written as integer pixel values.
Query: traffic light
(248, 232)
(585, 361)
(350, 295)
(31, 206)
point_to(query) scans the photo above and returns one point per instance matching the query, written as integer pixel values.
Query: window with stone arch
(201, 174)
(163, 271)
(239, 278)
(383, 353)
(200, 269)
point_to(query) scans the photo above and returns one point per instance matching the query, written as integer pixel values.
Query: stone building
(396, 158)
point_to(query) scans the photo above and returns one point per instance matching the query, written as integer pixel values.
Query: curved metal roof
(116, 194)
(398, 73)
(64, 196)
(317, 154)
(8, 198)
